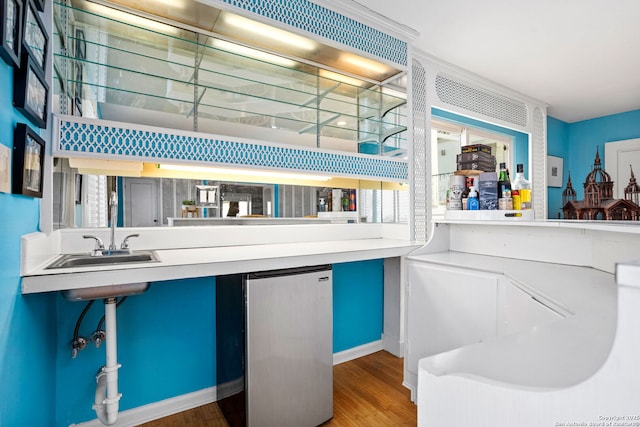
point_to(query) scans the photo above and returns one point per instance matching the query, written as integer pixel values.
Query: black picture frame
(31, 92)
(11, 31)
(35, 40)
(28, 161)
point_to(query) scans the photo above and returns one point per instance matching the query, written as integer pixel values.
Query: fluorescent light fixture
(269, 32)
(245, 172)
(174, 4)
(341, 123)
(252, 53)
(340, 78)
(128, 18)
(360, 62)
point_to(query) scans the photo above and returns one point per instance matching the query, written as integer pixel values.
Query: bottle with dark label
(504, 189)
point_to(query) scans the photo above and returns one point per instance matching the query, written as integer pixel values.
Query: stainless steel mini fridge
(275, 338)
(289, 353)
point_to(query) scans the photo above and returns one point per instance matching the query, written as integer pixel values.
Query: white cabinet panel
(517, 310)
(448, 308)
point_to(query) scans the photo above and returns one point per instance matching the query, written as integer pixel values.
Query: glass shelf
(120, 71)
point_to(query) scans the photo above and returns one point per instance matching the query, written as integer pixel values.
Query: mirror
(450, 131)
(80, 200)
(126, 68)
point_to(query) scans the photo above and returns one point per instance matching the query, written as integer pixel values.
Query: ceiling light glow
(252, 53)
(128, 18)
(270, 32)
(245, 172)
(360, 62)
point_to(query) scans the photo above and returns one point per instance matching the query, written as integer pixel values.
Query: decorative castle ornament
(598, 203)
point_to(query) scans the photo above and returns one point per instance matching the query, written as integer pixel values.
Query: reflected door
(140, 202)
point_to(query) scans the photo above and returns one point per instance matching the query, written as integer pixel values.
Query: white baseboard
(356, 352)
(393, 345)
(230, 388)
(163, 408)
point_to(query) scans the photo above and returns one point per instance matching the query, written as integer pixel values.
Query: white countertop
(627, 227)
(212, 261)
(559, 354)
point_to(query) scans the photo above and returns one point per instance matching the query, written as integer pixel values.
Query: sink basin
(87, 260)
(101, 292)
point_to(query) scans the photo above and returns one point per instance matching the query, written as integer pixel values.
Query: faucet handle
(125, 242)
(99, 243)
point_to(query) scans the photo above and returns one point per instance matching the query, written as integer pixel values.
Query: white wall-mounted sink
(88, 260)
(108, 258)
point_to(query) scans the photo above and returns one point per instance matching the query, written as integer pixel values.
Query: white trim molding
(357, 352)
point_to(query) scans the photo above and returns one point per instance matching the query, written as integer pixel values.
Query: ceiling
(581, 57)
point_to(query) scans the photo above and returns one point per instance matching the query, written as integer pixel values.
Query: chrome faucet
(99, 249)
(113, 249)
(113, 204)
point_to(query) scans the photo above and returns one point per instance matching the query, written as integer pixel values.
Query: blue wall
(166, 338)
(557, 145)
(27, 324)
(166, 345)
(577, 143)
(357, 303)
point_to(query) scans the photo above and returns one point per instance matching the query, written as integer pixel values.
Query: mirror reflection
(80, 200)
(450, 131)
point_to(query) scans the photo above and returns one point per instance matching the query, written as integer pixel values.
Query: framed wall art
(11, 31)
(28, 161)
(5, 169)
(554, 171)
(34, 35)
(31, 92)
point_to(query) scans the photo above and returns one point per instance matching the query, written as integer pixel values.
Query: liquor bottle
(352, 200)
(523, 186)
(504, 189)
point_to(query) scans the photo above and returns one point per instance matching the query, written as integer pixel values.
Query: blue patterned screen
(112, 140)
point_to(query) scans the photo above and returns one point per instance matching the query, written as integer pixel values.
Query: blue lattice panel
(311, 17)
(79, 137)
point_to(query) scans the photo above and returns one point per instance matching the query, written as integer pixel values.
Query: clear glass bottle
(523, 186)
(504, 189)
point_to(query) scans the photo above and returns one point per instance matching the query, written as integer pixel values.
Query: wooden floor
(366, 392)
